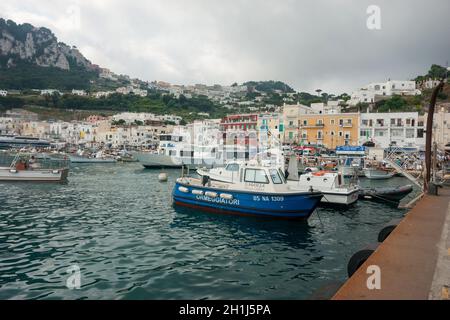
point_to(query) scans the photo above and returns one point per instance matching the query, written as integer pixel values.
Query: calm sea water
(117, 223)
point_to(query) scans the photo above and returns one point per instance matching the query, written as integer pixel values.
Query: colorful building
(329, 130)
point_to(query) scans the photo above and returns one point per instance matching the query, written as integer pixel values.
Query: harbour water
(116, 222)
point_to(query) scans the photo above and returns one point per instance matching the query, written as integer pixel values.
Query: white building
(103, 94)
(369, 93)
(132, 117)
(80, 93)
(332, 107)
(3, 93)
(8, 126)
(130, 89)
(441, 126)
(141, 93)
(170, 118)
(124, 90)
(50, 92)
(401, 129)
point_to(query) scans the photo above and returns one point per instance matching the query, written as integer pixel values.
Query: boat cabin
(323, 180)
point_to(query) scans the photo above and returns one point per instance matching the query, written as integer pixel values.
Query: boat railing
(34, 161)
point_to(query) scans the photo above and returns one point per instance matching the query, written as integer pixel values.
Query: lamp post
(429, 134)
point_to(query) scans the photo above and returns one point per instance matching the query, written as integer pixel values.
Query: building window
(410, 133)
(420, 133)
(319, 135)
(365, 133)
(332, 121)
(341, 134)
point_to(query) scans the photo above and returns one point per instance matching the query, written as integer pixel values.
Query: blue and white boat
(259, 191)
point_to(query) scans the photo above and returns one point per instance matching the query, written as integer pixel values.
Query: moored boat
(393, 194)
(25, 169)
(259, 191)
(378, 174)
(331, 184)
(98, 157)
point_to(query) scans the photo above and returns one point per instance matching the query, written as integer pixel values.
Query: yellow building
(329, 130)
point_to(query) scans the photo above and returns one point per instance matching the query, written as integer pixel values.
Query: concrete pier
(414, 260)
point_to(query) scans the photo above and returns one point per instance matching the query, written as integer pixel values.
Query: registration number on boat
(268, 199)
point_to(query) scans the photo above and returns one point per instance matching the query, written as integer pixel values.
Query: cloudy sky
(308, 44)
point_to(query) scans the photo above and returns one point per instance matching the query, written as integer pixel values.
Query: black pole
(429, 134)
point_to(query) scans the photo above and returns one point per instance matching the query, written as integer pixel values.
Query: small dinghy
(393, 194)
(378, 174)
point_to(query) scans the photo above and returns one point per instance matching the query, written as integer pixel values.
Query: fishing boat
(378, 174)
(393, 194)
(98, 157)
(258, 191)
(25, 169)
(331, 184)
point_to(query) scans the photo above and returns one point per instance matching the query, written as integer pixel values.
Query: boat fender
(55, 171)
(211, 194)
(183, 189)
(387, 229)
(226, 196)
(358, 259)
(197, 192)
(13, 171)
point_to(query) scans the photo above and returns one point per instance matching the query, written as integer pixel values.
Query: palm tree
(319, 91)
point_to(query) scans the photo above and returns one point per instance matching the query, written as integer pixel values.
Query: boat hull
(55, 176)
(76, 159)
(378, 175)
(152, 161)
(386, 194)
(344, 198)
(293, 206)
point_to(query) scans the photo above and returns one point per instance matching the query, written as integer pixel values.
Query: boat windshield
(282, 175)
(275, 176)
(233, 167)
(256, 176)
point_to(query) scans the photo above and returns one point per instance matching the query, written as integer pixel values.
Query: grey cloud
(308, 44)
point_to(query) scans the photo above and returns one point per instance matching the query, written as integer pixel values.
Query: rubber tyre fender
(387, 229)
(358, 258)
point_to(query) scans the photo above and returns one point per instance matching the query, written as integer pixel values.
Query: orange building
(329, 130)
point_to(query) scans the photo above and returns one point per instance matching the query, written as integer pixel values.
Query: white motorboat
(99, 157)
(331, 184)
(378, 174)
(24, 169)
